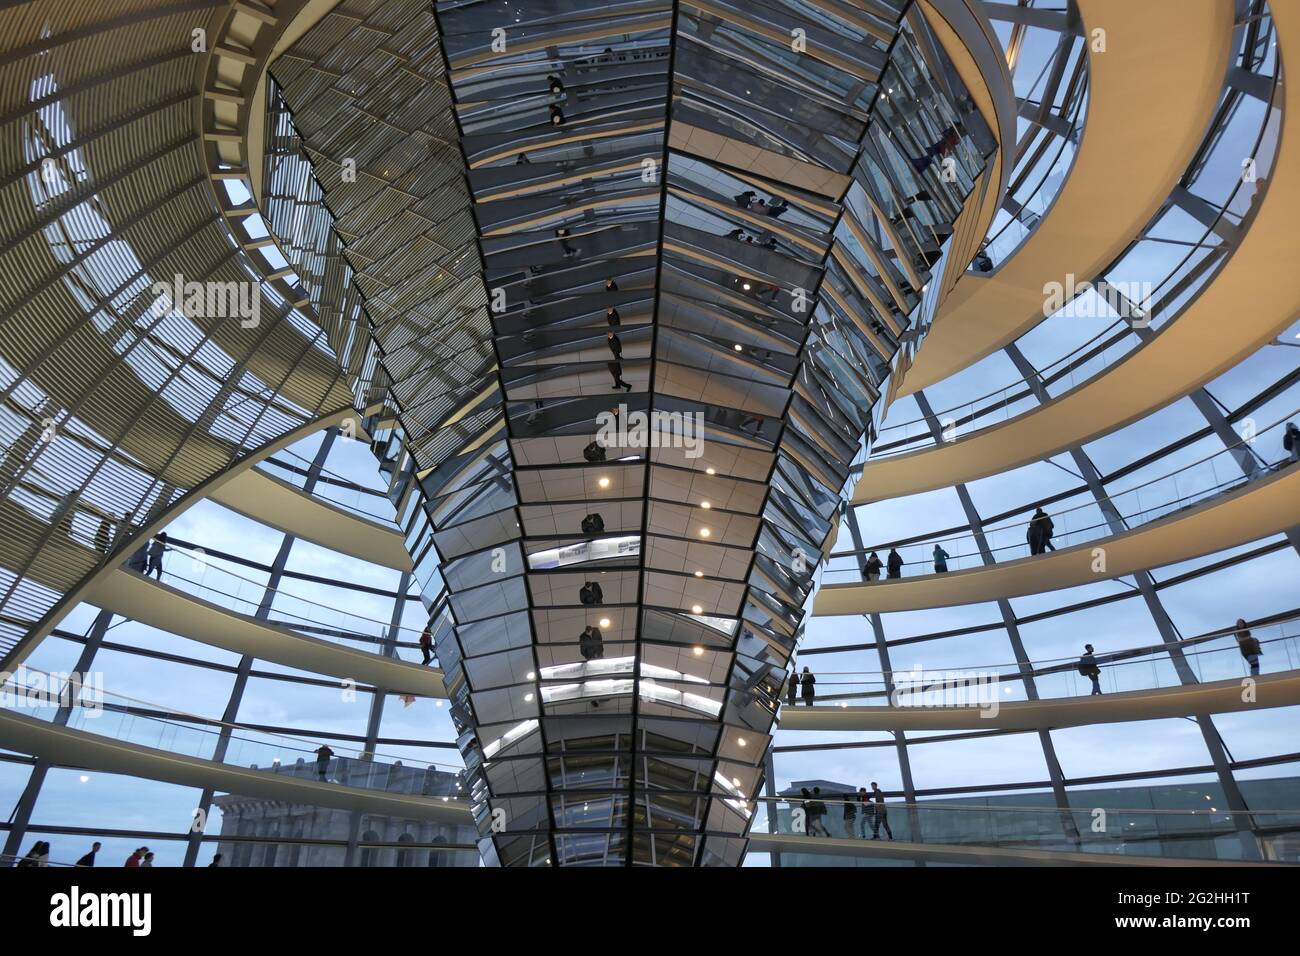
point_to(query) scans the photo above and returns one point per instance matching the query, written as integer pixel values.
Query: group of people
(148, 558)
(860, 810)
(804, 681)
(140, 858)
(1038, 534)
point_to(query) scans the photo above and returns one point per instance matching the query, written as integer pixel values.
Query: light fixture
(699, 574)
(604, 622)
(741, 741)
(705, 532)
(710, 471)
(84, 779)
(699, 651)
(528, 697)
(705, 505)
(696, 609)
(746, 286)
(604, 482)
(532, 675)
(739, 348)
(735, 781)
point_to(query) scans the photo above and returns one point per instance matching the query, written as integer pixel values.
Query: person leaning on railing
(1248, 644)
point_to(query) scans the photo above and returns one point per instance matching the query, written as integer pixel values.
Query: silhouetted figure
(894, 564)
(792, 688)
(616, 371)
(1291, 441)
(1248, 644)
(868, 811)
(104, 536)
(554, 84)
(157, 548)
(816, 813)
(807, 683)
(1088, 668)
(871, 569)
(1039, 532)
(136, 858)
(567, 247)
(323, 756)
(591, 594)
(557, 116)
(881, 818)
(940, 560)
(216, 860)
(612, 317)
(591, 643)
(520, 160)
(38, 855)
(611, 285)
(615, 344)
(426, 645)
(850, 814)
(594, 452)
(593, 524)
(89, 858)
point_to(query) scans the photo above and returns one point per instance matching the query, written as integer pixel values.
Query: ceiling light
(741, 741)
(699, 574)
(705, 505)
(604, 622)
(740, 348)
(696, 609)
(699, 652)
(532, 675)
(710, 471)
(604, 482)
(705, 532)
(84, 779)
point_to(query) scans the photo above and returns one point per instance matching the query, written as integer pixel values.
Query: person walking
(323, 755)
(426, 645)
(104, 536)
(940, 560)
(1088, 668)
(868, 815)
(1248, 644)
(616, 372)
(615, 344)
(1039, 532)
(881, 819)
(157, 548)
(816, 815)
(871, 570)
(89, 858)
(807, 682)
(894, 564)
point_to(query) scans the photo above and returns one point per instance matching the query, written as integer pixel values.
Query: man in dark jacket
(89, 858)
(1088, 668)
(894, 563)
(1039, 533)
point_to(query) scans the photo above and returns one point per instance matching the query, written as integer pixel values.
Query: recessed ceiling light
(528, 697)
(705, 532)
(735, 781)
(532, 675)
(696, 609)
(710, 471)
(741, 741)
(604, 622)
(699, 574)
(699, 652)
(705, 505)
(739, 348)
(604, 482)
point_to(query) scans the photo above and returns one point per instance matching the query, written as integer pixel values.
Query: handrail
(1108, 498)
(204, 724)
